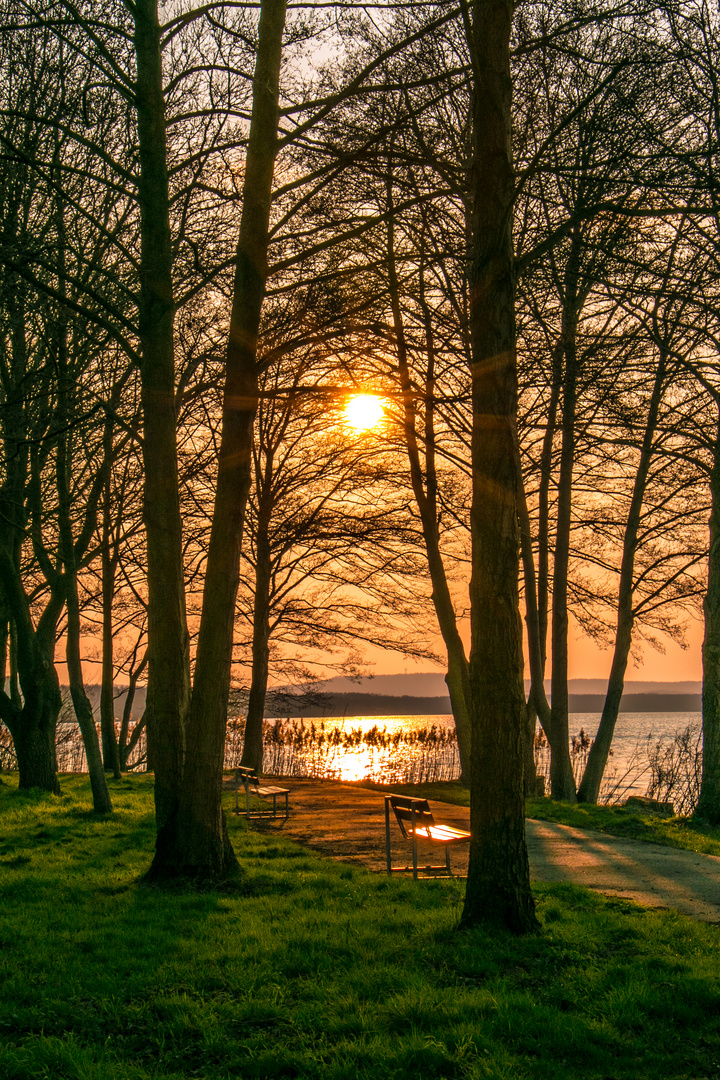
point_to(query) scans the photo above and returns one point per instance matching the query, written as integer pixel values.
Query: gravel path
(346, 822)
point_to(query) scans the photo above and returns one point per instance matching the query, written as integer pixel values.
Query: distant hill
(432, 684)
(338, 705)
(363, 704)
(580, 703)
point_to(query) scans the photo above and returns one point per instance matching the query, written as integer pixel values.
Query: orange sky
(589, 661)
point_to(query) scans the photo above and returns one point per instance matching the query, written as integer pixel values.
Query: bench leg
(414, 841)
(447, 859)
(287, 808)
(387, 835)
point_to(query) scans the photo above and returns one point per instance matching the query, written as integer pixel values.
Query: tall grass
(675, 767)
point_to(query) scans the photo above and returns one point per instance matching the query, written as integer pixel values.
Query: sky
(588, 661)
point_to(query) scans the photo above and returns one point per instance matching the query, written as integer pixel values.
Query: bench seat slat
(442, 834)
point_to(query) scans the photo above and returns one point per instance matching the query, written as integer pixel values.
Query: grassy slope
(321, 970)
(616, 820)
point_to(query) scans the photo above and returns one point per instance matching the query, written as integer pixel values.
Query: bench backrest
(404, 806)
(247, 776)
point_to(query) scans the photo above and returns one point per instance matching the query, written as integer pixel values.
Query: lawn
(317, 969)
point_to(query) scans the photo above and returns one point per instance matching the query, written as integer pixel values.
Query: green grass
(314, 969)
(633, 823)
(679, 832)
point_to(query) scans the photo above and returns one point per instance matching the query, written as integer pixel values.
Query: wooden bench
(417, 823)
(249, 779)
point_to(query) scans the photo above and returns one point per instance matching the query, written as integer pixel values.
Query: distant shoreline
(339, 705)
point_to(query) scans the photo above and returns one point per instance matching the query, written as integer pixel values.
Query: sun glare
(363, 412)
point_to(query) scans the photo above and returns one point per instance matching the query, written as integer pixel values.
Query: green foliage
(321, 970)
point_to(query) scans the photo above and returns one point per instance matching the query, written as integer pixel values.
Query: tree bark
(34, 741)
(32, 721)
(709, 801)
(589, 789)
(498, 885)
(168, 685)
(197, 845)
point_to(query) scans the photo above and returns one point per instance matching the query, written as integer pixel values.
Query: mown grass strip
(314, 969)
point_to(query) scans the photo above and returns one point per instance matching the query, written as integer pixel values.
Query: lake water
(628, 770)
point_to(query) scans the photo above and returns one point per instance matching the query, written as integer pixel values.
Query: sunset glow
(363, 412)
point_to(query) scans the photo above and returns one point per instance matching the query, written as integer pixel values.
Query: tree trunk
(458, 673)
(562, 781)
(67, 547)
(589, 789)
(125, 747)
(32, 720)
(535, 651)
(33, 724)
(15, 695)
(252, 756)
(110, 749)
(168, 666)
(102, 803)
(498, 885)
(197, 846)
(546, 458)
(709, 802)
(34, 739)
(83, 709)
(537, 707)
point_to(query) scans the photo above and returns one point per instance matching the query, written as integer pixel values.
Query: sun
(363, 412)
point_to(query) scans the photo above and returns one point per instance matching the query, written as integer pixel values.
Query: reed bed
(616, 785)
(668, 770)
(318, 749)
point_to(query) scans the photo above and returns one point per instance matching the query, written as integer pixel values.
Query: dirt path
(346, 822)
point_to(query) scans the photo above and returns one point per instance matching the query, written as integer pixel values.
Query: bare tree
(331, 544)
